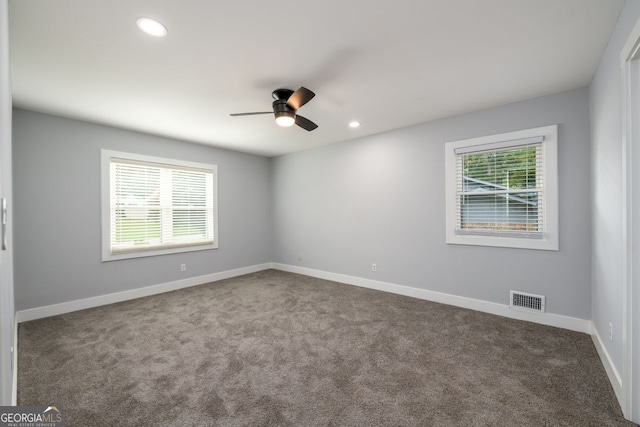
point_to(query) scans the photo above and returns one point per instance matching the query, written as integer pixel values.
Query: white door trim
(630, 65)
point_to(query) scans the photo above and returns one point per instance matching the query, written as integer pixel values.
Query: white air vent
(524, 301)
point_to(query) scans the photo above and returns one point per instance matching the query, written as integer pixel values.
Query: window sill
(547, 243)
(108, 256)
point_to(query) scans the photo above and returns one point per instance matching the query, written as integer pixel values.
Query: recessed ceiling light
(354, 124)
(152, 27)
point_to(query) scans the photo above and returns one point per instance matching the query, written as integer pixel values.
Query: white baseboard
(614, 376)
(14, 382)
(81, 304)
(549, 319)
(571, 323)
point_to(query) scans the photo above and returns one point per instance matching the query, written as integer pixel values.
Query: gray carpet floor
(280, 349)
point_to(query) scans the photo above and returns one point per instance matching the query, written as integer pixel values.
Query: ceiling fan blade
(305, 123)
(250, 114)
(300, 97)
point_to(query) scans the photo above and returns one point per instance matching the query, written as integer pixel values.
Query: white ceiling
(386, 63)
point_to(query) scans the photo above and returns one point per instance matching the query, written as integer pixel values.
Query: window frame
(549, 240)
(105, 194)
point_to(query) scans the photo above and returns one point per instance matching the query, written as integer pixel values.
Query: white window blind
(155, 206)
(499, 189)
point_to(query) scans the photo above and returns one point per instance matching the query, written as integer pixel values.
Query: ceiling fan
(286, 105)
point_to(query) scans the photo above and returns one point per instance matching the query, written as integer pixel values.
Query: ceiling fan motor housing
(280, 108)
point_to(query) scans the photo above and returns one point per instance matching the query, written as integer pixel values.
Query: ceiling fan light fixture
(285, 105)
(285, 119)
(151, 27)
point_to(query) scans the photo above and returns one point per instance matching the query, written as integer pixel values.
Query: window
(502, 190)
(154, 206)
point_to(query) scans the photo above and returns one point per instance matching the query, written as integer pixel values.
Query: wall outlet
(610, 331)
(374, 267)
(183, 267)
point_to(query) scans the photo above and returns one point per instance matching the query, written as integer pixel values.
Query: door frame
(630, 66)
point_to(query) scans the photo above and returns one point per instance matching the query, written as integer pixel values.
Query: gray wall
(7, 312)
(57, 186)
(606, 168)
(380, 199)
